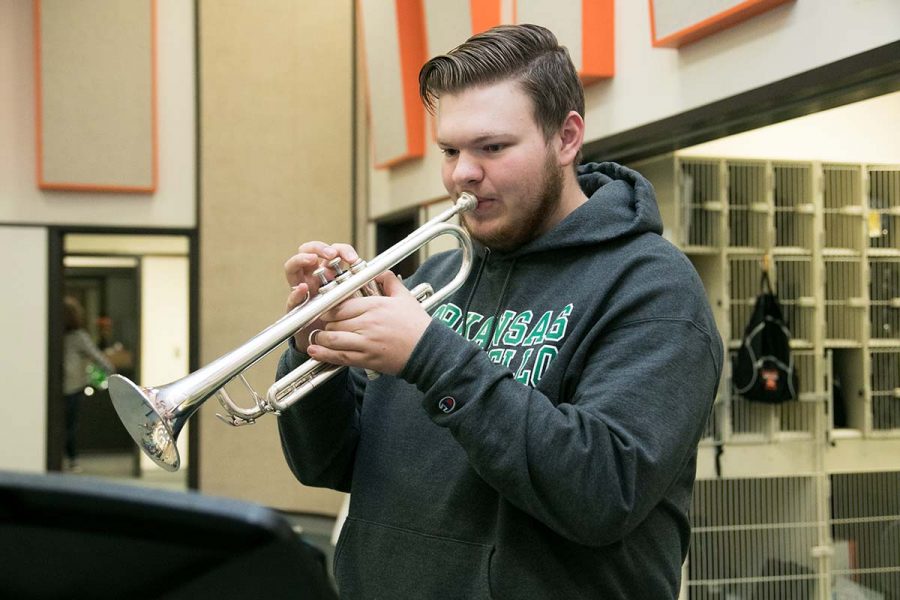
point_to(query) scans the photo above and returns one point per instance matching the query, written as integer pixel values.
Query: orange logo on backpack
(770, 379)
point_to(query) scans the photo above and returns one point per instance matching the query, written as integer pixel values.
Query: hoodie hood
(621, 203)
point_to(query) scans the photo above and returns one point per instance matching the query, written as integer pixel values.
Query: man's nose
(467, 170)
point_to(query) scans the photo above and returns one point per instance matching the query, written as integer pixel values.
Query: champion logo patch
(447, 404)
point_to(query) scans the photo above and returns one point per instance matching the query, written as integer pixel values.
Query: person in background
(536, 437)
(116, 352)
(78, 352)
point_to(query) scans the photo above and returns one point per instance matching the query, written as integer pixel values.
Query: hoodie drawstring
(465, 316)
(503, 290)
(500, 300)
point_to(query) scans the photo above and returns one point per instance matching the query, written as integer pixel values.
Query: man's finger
(346, 252)
(296, 266)
(391, 284)
(299, 294)
(348, 309)
(318, 248)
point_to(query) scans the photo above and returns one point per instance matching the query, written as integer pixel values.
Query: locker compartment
(884, 206)
(800, 416)
(743, 286)
(884, 299)
(752, 539)
(794, 285)
(748, 208)
(794, 207)
(755, 421)
(842, 207)
(848, 389)
(865, 527)
(884, 384)
(845, 303)
(701, 189)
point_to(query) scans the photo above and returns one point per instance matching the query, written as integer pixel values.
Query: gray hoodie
(541, 441)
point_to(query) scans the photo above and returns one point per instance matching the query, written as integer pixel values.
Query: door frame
(55, 278)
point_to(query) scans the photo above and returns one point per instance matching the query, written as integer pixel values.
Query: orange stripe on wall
(713, 24)
(598, 40)
(38, 94)
(411, 34)
(154, 116)
(485, 14)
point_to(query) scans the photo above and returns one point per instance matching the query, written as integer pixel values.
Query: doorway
(134, 292)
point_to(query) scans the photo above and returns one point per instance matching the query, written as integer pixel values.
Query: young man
(536, 437)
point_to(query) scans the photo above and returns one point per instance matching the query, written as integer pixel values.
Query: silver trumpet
(154, 416)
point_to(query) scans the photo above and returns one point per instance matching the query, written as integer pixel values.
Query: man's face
(494, 149)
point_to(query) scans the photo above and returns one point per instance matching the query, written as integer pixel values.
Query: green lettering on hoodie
(505, 318)
(523, 375)
(540, 329)
(471, 320)
(481, 337)
(557, 330)
(543, 359)
(518, 329)
(501, 356)
(448, 314)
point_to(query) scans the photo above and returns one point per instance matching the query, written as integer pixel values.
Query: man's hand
(298, 271)
(376, 332)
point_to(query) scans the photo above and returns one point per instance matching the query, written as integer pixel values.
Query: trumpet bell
(150, 430)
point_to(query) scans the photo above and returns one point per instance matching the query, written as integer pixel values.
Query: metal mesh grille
(752, 539)
(842, 207)
(843, 300)
(794, 206)
(865, 526)
(796, 295)
(751, 418)
(743, 282)
(747, 206)
(884, 201)
(884, 298)
(885, 386)
(700, 191)
(769, 420)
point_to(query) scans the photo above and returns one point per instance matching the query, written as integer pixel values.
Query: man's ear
(571, 138)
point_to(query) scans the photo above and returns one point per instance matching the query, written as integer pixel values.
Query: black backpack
(763, 370)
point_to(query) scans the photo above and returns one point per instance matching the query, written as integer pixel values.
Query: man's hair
(527, 54)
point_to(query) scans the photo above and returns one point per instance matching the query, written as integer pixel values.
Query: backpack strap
(765, 285)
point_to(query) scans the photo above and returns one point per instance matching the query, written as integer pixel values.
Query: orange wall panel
(675, 23)
(95, 95)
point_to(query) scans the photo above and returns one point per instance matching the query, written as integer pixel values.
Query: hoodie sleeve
(319, 433)
(593, 467)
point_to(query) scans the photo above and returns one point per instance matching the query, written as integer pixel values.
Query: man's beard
(519, 231)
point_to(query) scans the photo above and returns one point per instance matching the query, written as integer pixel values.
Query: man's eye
(493, 148)
(450, 152)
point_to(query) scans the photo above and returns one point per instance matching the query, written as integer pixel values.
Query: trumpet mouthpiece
(467, 201)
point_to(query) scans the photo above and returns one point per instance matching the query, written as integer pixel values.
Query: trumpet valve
(335, 264)
(324, 284)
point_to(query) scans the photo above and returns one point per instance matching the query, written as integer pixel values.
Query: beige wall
(23, 359)
(173, 203)
(276, 114)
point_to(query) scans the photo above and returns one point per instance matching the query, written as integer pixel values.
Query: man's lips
(485, 203)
